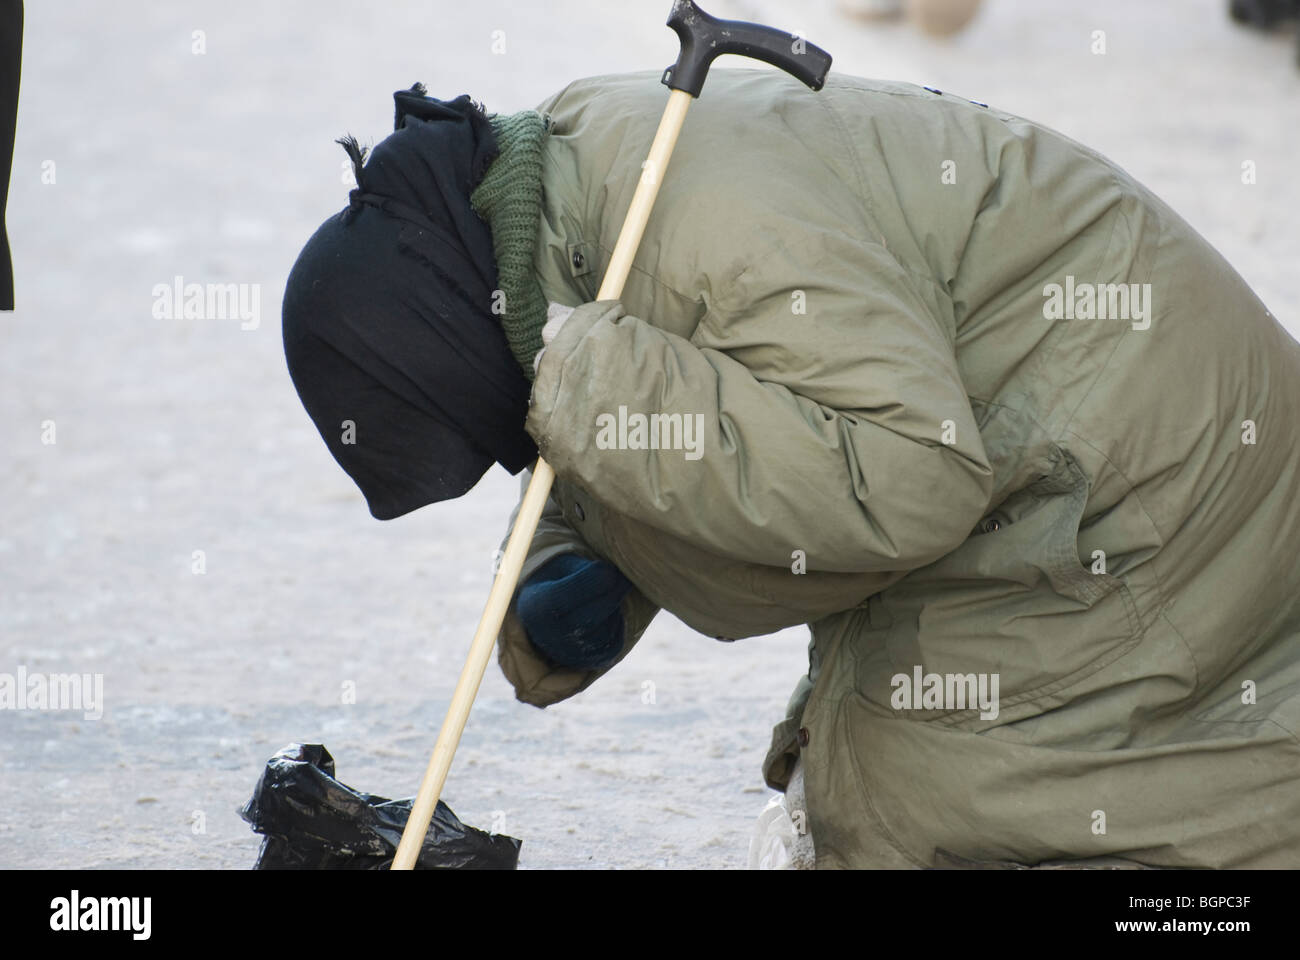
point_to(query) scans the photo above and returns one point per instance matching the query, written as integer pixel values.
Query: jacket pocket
(1014, 605)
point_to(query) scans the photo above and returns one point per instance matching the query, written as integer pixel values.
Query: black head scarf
(388, 329)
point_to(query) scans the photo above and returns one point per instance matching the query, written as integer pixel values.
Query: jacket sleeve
(843, 430)
(534, 680)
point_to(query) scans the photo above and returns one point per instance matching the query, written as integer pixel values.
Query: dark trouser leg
(11, 55)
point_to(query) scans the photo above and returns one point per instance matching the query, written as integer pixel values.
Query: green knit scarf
(509, 199)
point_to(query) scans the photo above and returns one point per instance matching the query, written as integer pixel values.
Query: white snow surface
(180, 435)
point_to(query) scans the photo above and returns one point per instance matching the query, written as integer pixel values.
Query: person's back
(1128, 571)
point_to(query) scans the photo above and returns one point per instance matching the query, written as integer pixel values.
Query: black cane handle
(704, 37)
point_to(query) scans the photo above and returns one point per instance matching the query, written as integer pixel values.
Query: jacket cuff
(537, 682)
(550, 372)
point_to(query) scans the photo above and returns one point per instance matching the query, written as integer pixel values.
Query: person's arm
(536, 681)
(844, 431)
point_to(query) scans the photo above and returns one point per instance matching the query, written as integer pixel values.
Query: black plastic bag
(310, 821)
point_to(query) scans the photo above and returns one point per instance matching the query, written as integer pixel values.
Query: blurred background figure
(11, 55)
(939, 18)
(1266, 15)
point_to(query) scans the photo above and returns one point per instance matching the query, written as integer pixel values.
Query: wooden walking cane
(702, 39)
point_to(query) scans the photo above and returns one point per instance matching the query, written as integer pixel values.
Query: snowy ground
(180, 435)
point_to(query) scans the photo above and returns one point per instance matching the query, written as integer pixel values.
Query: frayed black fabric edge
(484, 130)
(417, 89)
(407, 103)
(464, 105)
(357, 154)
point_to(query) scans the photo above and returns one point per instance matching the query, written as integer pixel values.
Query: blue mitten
(570, 609)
